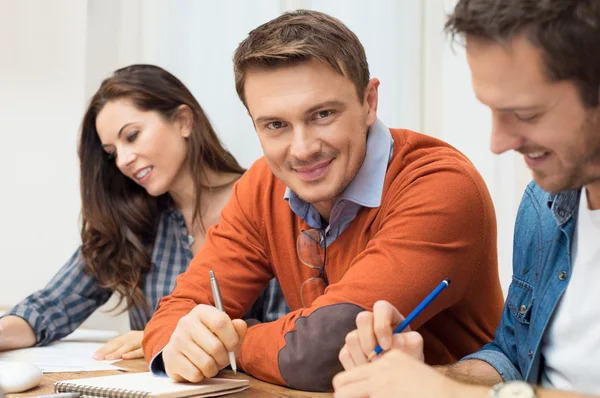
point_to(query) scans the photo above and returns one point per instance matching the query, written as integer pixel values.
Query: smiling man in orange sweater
(342, 211)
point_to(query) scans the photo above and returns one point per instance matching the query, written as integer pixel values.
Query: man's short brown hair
(566, 31)
(300, 36)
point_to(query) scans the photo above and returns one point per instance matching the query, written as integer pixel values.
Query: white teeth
(142, 173)
(536, 155)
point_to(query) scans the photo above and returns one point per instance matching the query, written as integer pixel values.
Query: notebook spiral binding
(98, 391)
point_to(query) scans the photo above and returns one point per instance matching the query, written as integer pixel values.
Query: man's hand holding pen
(200, 345)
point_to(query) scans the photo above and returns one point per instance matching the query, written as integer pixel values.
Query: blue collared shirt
(364, 190)
(541, 273)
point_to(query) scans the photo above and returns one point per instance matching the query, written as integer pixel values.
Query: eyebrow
(119, 133)
(332, 103)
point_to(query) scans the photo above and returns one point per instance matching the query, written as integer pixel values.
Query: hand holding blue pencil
(415, 313)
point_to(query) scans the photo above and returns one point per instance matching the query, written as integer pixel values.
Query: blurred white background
(54, 54)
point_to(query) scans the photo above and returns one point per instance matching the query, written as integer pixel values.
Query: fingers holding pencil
(373, 328)
(377, 332)
(385, 319)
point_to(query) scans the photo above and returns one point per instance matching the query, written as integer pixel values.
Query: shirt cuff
(498, 361)
(43, 335)
(157, 365)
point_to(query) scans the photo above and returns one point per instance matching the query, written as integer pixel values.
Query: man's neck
(324, 209)
(593, 195)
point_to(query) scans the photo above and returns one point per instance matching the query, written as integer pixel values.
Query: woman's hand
(126, 346)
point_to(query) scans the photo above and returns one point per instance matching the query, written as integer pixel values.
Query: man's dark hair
(299, 36)
(566, 31)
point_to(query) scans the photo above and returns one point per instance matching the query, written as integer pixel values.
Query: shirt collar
(366, 187)
(563, 205)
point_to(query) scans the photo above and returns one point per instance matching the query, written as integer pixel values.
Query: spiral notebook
(140, 385)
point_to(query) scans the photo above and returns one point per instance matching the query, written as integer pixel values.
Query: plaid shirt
(72, 295)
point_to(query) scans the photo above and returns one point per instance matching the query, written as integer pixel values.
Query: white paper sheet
(62, 356)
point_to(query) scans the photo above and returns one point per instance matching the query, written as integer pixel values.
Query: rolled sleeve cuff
(498, 361)
(43, 335)
(157, 365)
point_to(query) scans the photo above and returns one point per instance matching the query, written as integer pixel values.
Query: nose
(125, 158)
(304, 143)
(504, 138)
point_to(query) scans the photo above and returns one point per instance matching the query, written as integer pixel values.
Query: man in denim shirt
(536, 65)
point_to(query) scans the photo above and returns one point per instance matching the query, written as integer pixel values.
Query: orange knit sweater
(436, 220)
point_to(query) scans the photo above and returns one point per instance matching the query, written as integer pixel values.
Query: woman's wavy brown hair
(119, 218)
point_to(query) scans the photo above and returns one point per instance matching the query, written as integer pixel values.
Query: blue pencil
(415, 313)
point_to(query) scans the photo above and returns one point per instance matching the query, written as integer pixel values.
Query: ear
(371, 101)
(184, 120)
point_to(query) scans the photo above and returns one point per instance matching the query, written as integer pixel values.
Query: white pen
(219, 304)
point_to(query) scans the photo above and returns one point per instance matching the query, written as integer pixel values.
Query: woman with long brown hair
(154, 177)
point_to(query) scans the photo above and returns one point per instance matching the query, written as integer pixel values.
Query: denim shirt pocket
(520, 300)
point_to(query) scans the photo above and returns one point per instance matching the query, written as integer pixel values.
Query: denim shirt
(541, 272)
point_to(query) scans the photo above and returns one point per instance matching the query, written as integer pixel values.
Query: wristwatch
(513, 389)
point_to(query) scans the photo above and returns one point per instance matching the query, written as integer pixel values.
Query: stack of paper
(73, 354)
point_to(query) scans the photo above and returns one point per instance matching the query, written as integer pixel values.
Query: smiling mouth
(140, 175)
(314, 172)
(536, 155)
(537, 159)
